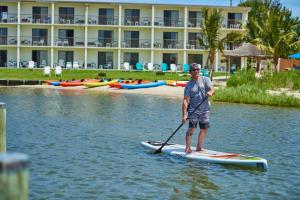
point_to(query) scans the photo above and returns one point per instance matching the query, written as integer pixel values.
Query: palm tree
(211, 24)
(272, 28)
(277, 37)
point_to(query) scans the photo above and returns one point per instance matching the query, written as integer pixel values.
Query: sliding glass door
(3, 36)
(132, 58)
(40, 57)
(64, 57)
(3, 58)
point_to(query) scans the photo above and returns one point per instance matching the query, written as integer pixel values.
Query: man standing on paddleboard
(195, 91)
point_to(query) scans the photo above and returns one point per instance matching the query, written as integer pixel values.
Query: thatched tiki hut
(247, 50)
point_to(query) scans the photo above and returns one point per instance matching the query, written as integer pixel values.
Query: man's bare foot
(199, 148)
(188, 150)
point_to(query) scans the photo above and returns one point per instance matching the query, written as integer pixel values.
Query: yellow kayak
(98, 84)
(171, 82)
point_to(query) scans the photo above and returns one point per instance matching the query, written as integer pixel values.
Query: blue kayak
(55, 83)
(143, 85)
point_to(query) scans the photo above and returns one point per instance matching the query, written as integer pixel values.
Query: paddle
(162, 146)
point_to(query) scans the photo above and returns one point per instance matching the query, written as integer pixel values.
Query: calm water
(86, 145)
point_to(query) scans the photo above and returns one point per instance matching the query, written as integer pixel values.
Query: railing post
(14, 176)
(2, 128)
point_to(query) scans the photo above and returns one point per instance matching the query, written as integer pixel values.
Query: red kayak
(181, 83)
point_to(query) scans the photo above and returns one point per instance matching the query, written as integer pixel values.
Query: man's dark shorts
(201, 119)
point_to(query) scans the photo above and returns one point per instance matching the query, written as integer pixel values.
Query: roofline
(128, 3)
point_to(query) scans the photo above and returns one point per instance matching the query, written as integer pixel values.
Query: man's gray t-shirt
(196, 91)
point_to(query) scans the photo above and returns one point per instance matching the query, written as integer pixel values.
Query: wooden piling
(2, 128)
(14, 176)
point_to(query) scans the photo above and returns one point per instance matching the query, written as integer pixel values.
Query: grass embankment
(37, 74)
(243, 87)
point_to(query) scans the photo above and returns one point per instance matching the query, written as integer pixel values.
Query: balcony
(102, 20)
(230, 46)
(234, 24)
(136, 43)
(35, 19)
(35, 41)
(9, 18)
(168, 22)
(194, 22)
(194, 44)
(70, 19)
(168, 44)
(106, 43)
(67, 41)
(137, 21)
(8, 40)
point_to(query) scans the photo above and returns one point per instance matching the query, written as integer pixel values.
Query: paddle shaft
(162, 146)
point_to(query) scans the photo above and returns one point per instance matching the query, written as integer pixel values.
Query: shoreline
(164, 91)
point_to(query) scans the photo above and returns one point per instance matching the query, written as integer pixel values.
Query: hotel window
(106, 16)
(170, 39)
(131, 39)
(105, 60)
(106, 38)
(64, 57)
(3, 13)
(40, 15)
(3, 36)
(194, 40)
(66, 15)
(39, 37)
(171, 17)
(170, 58)
(3, 58)
(195, 58)
(132, 58)
(132, 16)
(234, 20)
(40, 58)
(66, 37)
(195, 18)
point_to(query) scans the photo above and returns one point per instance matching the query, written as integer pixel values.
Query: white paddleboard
(209, 155)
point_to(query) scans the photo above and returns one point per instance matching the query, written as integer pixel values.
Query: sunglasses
(196, 70)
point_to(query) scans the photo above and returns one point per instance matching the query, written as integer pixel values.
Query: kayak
(98, 84)
(119, 84)
(209, 155)
(55, 83)
(171, 82)
(143, 85)
(181, 83)
(71, 84)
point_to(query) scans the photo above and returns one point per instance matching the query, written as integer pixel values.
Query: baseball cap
(194, 66)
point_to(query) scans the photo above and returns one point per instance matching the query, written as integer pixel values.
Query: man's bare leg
(188, 140)
(201, 138)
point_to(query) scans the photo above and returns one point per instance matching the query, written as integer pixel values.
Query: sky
(294, 5)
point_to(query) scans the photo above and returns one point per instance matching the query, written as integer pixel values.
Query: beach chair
(186, 67)
(47, 71)
(58, 71)
(30, 65)
(164, 67)
(150, 66)
(204, 72)
(173, 68)
(69, 65)
(75, 65)
(126, 66)
(139, 66)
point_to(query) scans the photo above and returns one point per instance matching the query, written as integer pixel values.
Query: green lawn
(37, 74)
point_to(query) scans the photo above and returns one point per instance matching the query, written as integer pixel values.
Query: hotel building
(105, 34)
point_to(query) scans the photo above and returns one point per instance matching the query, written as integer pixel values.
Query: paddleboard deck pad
(209, 155)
